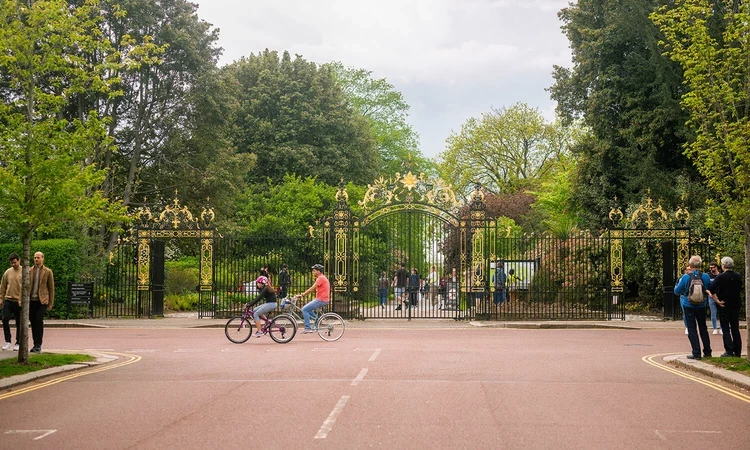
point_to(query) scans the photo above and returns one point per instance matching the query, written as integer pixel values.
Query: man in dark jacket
(725, 289)
(284, 281)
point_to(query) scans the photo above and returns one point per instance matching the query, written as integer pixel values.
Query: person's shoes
(258, 334)
(724, 355)
(398, 308)
(36, 349)
(382, 306)
(721, 332)
(7, 346)
(706, 355)
(693, 357)
(307, 331)
(715, 331)
(15, 348)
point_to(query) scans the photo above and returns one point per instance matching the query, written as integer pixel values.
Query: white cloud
(476, 47)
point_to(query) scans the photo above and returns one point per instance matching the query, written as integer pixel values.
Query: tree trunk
(23, 329)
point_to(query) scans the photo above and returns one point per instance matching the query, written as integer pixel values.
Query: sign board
(80, 293)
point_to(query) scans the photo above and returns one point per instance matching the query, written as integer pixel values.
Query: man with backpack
(692, 291)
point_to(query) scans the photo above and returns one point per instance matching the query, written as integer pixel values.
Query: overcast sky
(451, 59)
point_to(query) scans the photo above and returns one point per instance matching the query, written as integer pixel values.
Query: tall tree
(293, 117)
(387, 112)
(628, 94)
(46, 179)
(158, 121)
(715, 63)
(505, 150)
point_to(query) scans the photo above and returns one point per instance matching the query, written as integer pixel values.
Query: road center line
(359, 378)
(328, 424)
(44, 434)
(374, 355)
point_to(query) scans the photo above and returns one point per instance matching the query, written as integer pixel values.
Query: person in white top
(432, 286)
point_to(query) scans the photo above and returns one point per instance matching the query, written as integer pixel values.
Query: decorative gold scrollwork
(408, 188)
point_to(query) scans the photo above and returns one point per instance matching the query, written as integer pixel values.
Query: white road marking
(323, 349)
(189, 350)
(44, 434)
(141, 350)
(99, 349)
(661, 436)
(374, 355)
(359, 378)
(328, 424)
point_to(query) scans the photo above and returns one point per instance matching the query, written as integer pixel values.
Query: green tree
(387, 112)
(171, 115)
(627, 94)
(506, 150)
(46, 180)
(717, 75)
(294, 118)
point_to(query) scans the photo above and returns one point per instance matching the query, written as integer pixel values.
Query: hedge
(60, 255)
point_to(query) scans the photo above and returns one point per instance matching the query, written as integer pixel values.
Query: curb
(15, 380)
(737, 379)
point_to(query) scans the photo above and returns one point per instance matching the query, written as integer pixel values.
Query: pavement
(191, 320)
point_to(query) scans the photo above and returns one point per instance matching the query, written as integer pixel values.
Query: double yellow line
(649, 359)
(128, 359)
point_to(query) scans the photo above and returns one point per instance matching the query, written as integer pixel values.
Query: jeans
(714, 314)
(697, 316)
(383, 295)
(308, 309)
(263, 309)
(11, 309)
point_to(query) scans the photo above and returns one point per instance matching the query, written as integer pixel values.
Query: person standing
(383, 284)
(322, 288)
(726, 289)
(500, 279)
(695, 313)
(10, 299)
(401, 277)
(41, 298)
(285, 280)
(713, 272)
(432, 286)
(414, 284)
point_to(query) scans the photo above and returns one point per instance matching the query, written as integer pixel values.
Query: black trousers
(11, 309)
(36, 317)
(730, 326)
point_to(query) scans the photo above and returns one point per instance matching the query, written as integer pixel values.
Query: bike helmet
(318, 267)
(261, 279)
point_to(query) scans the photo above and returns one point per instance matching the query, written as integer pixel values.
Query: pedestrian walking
(10, 300)
(42, 298)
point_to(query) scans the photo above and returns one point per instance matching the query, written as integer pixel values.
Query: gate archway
(411, 220)
(174, 221)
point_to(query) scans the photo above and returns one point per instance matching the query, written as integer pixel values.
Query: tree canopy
(292, 115)
(505, 150)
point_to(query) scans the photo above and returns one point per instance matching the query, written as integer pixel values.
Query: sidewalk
(191, 320)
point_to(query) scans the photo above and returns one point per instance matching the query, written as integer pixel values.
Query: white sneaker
(715, 331)
(7, 346)
(721, 332)
(686, 331)
(307, 331)
(15, 348)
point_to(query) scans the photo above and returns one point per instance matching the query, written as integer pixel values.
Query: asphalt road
(381, 388)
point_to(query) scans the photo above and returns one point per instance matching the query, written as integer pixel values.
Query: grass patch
(11, 366)
(733, 363)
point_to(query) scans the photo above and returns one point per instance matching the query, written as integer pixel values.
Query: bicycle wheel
(330, 327)
(283, 328)
(238, 330)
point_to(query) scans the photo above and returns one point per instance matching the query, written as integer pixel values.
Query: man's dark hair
(284, 266)
(13, 257)
(403, 265)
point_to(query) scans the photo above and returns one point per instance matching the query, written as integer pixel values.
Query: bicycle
(330, 326)
(281, 328)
